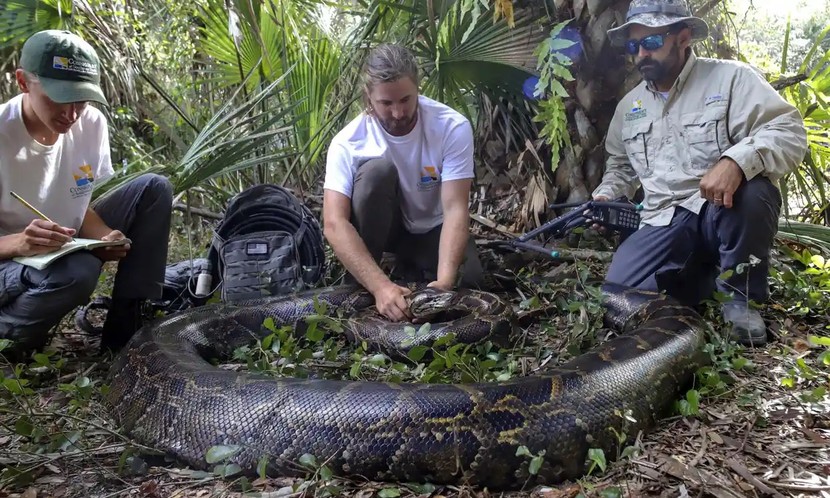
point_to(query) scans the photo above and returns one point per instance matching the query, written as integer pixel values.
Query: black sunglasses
(650, 43)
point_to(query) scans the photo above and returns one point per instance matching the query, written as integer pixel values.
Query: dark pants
(33, 301)
(684, 257)
(376, 215)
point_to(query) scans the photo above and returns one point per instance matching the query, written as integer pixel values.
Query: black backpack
(267, 243)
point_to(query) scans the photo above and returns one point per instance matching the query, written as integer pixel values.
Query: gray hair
(387, 63)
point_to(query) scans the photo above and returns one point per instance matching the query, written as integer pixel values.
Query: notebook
(41, 261)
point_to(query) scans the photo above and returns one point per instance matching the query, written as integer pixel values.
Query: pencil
(34, 209)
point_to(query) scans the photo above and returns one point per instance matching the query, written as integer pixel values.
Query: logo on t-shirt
(83, 181)
(429, 178)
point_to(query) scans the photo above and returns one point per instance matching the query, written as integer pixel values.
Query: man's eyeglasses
(650, 43)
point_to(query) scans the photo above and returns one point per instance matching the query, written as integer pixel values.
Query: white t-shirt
(56, 179)
(438, 149)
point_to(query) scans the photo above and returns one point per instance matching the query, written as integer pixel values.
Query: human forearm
(352, 252)
(93, 227)
(9, 246)
(454, 234)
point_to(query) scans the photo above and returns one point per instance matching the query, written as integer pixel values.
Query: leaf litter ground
(762, 426)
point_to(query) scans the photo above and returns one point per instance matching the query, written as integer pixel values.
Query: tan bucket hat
(658, 13)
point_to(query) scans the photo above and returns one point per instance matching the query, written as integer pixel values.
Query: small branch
(751, 479)
(702, 450)
(204, 213)
(783, 83)
(492, 224)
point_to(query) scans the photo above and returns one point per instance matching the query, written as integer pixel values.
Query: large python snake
(166, 394)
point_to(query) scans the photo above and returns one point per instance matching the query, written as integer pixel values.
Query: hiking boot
(748, 328)
(124, 318)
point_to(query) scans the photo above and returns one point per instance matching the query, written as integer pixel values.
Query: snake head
(428, 302)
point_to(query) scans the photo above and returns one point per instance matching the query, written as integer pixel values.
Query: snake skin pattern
(166, 394)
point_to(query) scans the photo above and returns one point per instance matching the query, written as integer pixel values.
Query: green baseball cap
(67, 67)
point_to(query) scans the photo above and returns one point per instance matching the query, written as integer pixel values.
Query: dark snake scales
(166, 395)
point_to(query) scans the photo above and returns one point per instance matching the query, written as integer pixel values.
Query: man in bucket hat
(707, 140)
(54, 148)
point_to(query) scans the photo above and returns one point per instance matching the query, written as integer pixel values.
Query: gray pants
(684, 257)
(33, 301)
(376, 215)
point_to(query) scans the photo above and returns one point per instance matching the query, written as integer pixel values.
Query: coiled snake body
(166, 395)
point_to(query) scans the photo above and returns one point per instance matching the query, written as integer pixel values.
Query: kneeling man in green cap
(708, 141)
(54, 149)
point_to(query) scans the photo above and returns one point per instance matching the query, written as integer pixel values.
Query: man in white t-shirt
(54, 148)
(398, 178)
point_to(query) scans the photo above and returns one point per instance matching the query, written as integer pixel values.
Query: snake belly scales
(166, 394)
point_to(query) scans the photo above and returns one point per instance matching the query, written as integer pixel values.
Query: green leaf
(24, 426)
(266, 341)
(354, 371)
(269, 324)
(535, 465)
(726, 275)
(314, 333)
(378, 360)
(417, 353)
(308, 460)
(220, 453)
(819, 341)
(611, 492)
(389, 493)
(597, 456)
(262, 466)
(325, 473)
(522, 451)
(628, 452)
(693, 398)
(227, 470)
(739, 363)
(421, 489)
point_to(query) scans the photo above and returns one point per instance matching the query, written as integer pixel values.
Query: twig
(783, 83)
(492, 224)
(748, 430)
(797, 487)
(751, 479)
(702, 449)
(204, 213)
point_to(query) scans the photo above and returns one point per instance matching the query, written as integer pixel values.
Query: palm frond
(237, 137)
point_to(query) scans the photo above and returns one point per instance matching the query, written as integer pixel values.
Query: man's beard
(399, 127)
(656, 71)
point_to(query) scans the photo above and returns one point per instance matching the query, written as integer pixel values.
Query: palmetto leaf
(473, 53)
(19, 19)
(237, 137)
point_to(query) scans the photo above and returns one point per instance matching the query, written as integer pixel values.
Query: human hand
(390, 302)
(596, 226)
(721, 182)
(442, 285)
(112, 253)
(42, 237)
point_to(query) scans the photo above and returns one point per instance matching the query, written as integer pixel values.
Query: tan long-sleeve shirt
(716, 109)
